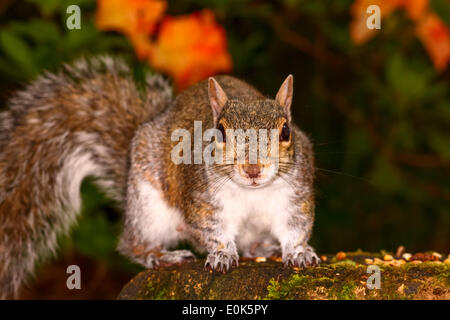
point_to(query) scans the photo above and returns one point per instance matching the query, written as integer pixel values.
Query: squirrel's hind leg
(151, 226)
(155, 257)
(169, 258)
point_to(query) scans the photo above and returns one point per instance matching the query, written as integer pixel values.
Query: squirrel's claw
(221, 261)
(149, 260)
(302, 259)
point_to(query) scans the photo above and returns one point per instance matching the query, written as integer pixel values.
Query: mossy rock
(342, 280)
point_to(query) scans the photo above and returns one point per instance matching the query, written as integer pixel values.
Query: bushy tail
(61, 128)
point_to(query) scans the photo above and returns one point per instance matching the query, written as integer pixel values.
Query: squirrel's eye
(285, 133)
(222, 130)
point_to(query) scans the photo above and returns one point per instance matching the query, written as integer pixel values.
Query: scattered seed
(341, 255)
(377, 261)
(260, 259)
(400, 251)
(396, 263)
(424, 257)
(388, 257)
(437, 255)
(277, 259)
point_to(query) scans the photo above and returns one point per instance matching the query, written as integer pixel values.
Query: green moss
(344, 263)
(323, 281)
(277, 290)
(153, 293)
(296, 285)
(427, 269)
(444, 276)
(274, 291)
(346, 292)
(360, 252)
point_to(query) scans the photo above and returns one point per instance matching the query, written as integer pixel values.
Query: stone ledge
(345, 279)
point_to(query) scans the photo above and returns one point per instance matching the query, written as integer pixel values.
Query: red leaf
(435, 37)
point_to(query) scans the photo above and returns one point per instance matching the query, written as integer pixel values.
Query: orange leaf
(435, 37)
(191, 48)
(359, 32)
(415, 8)
(135, 18)
(142, 45)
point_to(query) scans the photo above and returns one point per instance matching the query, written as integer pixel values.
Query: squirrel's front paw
(221, 261)
(304, 257)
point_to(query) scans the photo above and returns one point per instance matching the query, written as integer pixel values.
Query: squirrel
(92, 119)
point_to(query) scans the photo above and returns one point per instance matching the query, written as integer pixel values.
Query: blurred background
(375, 103)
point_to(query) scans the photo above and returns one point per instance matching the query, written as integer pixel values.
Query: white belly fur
(248, 215)
(160, 224)
(254, 215)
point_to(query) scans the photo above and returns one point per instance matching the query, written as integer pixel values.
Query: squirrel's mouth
(255, 184)
(252, 180)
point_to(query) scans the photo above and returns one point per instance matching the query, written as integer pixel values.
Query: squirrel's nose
(252, 171)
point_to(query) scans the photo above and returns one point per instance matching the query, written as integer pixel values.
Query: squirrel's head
(269, 119)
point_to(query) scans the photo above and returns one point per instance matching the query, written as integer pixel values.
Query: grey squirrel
(91, 119)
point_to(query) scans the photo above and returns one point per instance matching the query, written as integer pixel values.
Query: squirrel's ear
(284, 95)
(217, 97)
